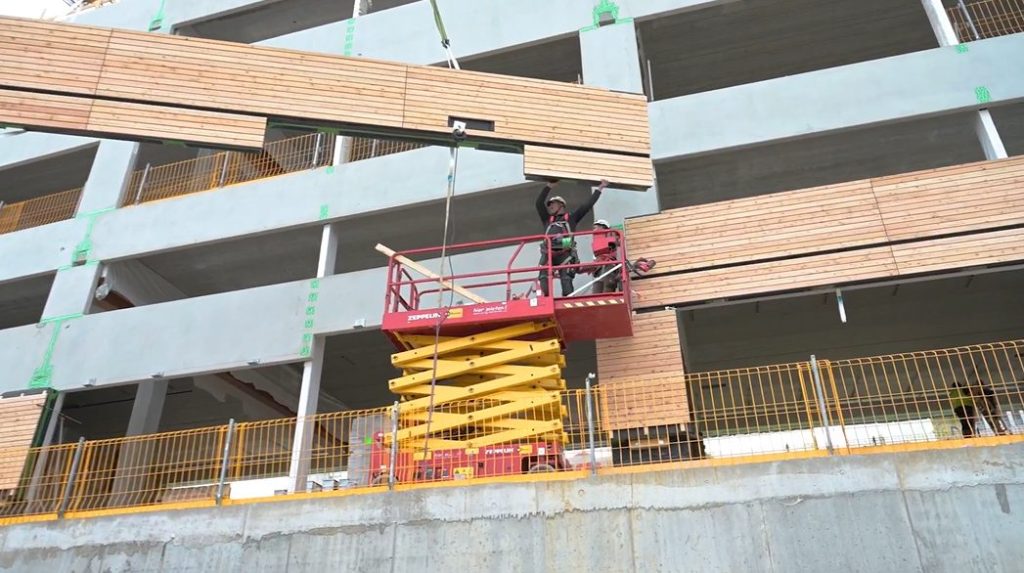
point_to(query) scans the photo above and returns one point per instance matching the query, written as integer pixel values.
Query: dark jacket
(574, 217)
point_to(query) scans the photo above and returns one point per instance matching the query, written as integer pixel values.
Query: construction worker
(988, 404)
(963, 407)
(606, 250)
(559, 224)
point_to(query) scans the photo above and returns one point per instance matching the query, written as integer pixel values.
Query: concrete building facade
(189, 310)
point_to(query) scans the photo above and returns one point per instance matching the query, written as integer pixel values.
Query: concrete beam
(29, 147)
(72, 291)
(261, 206)
(203, 335)
(932, 82)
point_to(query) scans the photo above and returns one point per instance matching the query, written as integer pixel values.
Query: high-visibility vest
(958, 397)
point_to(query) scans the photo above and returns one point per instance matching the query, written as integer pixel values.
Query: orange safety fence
(961, 396)
(980, 19)
(204, 173)
(39, 211)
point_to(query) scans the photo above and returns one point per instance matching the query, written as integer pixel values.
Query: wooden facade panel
(233, 77)
(20, 415)
(776, 225)
(641, 378)
(653, 348)
(942, 201)
(528, 110)
(623, 171)
(958, 252)
(44, 111)
(186, 125)
(355, 94)
(643, 401)
(48, 56)
(765, 277)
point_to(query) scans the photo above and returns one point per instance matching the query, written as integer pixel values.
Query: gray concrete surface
(953, 510)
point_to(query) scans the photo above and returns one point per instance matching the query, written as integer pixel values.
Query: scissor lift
(481, 356)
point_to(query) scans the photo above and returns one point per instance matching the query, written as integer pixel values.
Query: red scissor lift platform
(482, 354)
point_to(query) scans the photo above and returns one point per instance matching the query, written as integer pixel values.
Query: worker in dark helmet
(559, 224)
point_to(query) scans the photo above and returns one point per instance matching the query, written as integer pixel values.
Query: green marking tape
(604, 7)
(983, 95)
(80, 254)
(962, 48)
(42, 377)
(306, 349)
(158, 19)
(324, 210)
(350, 36)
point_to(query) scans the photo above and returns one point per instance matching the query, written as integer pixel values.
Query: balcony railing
(39, 211)
(980, 19)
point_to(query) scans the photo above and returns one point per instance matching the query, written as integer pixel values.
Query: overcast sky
(33, 8)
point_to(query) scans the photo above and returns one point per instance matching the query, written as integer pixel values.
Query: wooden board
(186, 125)
(607, 129)
(76, 114)
(643, 401)
(44, 111)
(959, 252)
(641, 379)
(628, 171)
(20, 416)
(952, 200)
(767, 226)
(774, 276)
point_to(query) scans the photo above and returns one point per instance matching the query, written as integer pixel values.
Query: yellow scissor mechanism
(493, 387)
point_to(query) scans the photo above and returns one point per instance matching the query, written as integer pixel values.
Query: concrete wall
(952, 510)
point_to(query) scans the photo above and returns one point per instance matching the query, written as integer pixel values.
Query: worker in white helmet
(606, 249)
(559, 224)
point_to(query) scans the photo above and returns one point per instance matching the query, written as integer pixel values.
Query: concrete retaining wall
(949, 510)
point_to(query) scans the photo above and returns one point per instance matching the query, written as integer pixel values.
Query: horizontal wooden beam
(573, 130)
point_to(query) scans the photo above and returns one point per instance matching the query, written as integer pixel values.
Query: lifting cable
(453, 168)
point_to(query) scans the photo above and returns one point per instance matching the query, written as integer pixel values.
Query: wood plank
(21, 415)
(190, 126)
(37, 111)
(959, 252)
(626, 172)
(762, 278)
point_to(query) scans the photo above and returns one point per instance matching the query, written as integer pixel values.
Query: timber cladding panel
(641, 378)
(572, 130)
(850, 232)
(20, 415)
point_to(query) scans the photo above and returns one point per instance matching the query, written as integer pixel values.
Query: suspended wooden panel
(653, 348)
(952, 199)
(959, 252)
(58, 57)
(74, 114)
(20, 415)
(628, 171)
(528, 110)
(186, 125)
(774, 276)
(767, 226)
(44, 111)
(641, 377)
(356, 95)
(252, 79)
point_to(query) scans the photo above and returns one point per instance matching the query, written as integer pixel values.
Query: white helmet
(555, 198)
(603, 222)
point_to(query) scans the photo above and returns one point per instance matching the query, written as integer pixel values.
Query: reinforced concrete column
(110, 174)
(611, 59)
(134, 477)
(309, 393)
(343, 143)
(984, 127)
